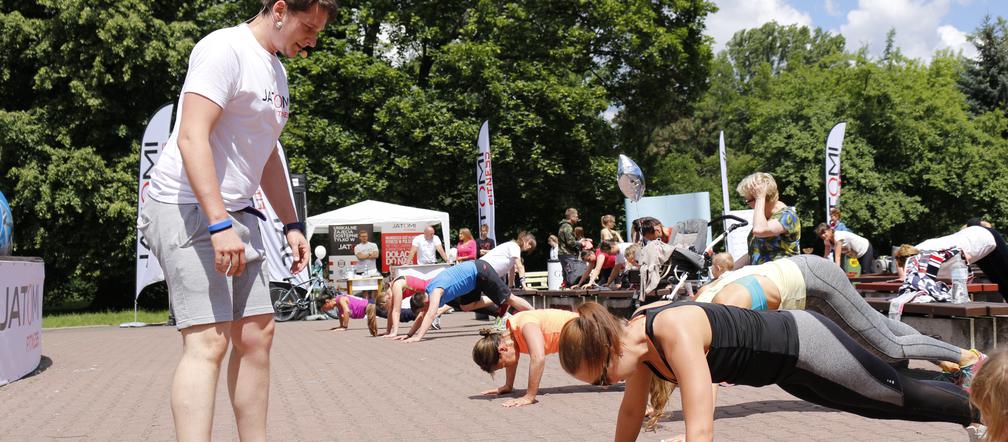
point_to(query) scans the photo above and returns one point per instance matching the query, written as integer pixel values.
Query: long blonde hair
(465, 235)
(659, 391)
(988, 395)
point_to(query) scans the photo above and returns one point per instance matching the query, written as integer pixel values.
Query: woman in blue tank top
(694, 345)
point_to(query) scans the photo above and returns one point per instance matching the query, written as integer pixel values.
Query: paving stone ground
(108, 383)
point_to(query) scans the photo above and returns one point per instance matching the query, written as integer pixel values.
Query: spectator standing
(609, 232)
(366, 252)
(485, 243)
(466, 247)
(198, 220)
(554, 244)
(775, 228)
(426, 247)
(569, 247)
(834, 220)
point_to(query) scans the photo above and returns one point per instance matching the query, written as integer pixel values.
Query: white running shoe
(436, 325)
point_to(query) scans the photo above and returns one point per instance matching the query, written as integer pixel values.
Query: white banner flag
(726, 208)
(279, 257)
(484, 182)
(154, 138)
(834, 143)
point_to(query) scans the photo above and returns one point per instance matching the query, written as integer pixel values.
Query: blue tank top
(456, 281)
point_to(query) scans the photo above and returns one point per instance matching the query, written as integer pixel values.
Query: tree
(985, 80)
(387, 107)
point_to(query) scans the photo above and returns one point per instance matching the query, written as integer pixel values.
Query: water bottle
(960, 293)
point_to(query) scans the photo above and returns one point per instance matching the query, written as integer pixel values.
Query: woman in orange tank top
(533, 332)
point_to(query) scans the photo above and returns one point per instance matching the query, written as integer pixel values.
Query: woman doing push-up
(694, 344)
(470, 286)
(808, 282)
(533, 332)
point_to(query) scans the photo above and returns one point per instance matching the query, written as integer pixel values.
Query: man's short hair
(570, 212)
(329, 6)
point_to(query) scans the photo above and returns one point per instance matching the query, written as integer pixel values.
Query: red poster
(396, 242)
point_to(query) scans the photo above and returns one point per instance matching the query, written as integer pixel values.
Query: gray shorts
(177, 235)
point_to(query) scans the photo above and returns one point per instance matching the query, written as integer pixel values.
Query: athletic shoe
(436, 325)
(966, 373)
(977, 432)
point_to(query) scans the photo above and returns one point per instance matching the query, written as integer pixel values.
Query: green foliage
(985, 80)
(387, 107)
(915, 162)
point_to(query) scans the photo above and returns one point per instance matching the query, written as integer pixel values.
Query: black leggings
(995, 265)
(834, 371)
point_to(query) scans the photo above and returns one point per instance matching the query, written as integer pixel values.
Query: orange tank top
(551, 321)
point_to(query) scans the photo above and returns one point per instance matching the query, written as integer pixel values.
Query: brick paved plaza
(112, 384)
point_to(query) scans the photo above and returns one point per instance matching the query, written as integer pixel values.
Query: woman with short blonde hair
(776, 229)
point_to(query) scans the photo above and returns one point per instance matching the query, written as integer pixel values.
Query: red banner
(396, 242)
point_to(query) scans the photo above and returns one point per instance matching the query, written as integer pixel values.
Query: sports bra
(747, 347)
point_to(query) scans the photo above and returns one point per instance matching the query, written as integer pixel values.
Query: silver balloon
(630, 178)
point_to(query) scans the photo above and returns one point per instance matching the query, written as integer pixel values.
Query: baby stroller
(687, 256)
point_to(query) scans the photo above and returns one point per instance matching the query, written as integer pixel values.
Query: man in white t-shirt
(426, 247)
(506, 258)
(366, 252)
(197, 217)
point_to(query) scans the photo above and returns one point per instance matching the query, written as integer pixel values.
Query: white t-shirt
(368, 264)
(426, 250)
(857, 244)
(230, 68)
(976, 241)
(502, 258)
(621, 255)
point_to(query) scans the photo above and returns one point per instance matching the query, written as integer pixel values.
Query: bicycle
(298, 300)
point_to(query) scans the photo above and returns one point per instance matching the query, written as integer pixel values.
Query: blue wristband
(221, 226)
(295, 226)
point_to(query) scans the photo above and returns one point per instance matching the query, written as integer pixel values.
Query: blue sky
(922, 26)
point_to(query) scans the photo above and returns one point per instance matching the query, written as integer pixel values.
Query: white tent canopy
(375, 212)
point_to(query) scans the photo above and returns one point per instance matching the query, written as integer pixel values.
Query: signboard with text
(396, 241)
(20, 317)
(342, 239)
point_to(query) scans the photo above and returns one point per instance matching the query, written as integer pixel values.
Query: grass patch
(79, 319)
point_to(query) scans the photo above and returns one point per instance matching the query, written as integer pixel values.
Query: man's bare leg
(195, 382)
(248, 374)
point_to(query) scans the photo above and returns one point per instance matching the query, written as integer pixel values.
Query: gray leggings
(834, 371)
(829, 292)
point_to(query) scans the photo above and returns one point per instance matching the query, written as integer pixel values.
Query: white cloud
(954, 39)
(831, 8)
(735, 15)
(919, 32)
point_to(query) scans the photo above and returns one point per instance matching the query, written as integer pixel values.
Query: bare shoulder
(685, 322)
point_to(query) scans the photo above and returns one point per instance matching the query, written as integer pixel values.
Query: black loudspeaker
(299, 183)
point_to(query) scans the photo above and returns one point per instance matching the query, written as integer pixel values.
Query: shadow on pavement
(44, 364)
(566, 389)
(751, 408)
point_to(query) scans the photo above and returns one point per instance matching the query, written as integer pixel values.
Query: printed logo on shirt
(280, 102)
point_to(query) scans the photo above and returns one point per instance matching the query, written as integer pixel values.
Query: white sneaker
(436, 325)
(976, 432)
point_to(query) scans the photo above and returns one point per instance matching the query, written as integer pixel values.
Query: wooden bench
(980, 325)
(618, 301)
(980, 291)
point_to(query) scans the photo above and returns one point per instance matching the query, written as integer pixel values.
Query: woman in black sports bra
(696, 344)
